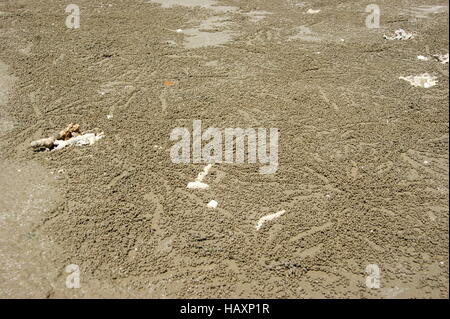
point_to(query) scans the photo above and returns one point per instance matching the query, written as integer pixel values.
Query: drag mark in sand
(312, 231)
(267, 218)
(207, 4)
(198, 183)
(6, 83)
(324, 96)
(162, 98)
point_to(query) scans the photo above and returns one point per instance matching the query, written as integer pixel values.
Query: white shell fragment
(400, 34)
(266, 218)
(198, 184)
(312, 11)
(422, 58)
(424, 80)
(85, 139)
(212, 204)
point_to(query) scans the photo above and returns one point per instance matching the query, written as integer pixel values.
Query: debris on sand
(266, 218)
(168, 83)
(212, 204)
(400, 34)
(312, 11)
(70, 131)
(424, 80)
(198, 184)
(71, 135)
(443, 58)
(85, 139)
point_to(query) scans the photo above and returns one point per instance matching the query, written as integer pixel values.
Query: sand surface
(363, 154)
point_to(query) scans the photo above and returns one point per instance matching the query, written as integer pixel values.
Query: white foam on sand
(400, 34)
(424, 11)
(257, 15)
(424, 80)
(304, 33)
(443, 58)
(212, 31)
